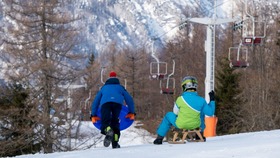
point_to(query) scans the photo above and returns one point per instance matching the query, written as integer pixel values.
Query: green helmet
(189, 83)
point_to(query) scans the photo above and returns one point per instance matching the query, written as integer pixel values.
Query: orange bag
(210, 129)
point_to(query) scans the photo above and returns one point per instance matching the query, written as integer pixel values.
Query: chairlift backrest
(254, 28)
(238, 53)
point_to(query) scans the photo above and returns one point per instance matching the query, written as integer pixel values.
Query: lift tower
(210, 47)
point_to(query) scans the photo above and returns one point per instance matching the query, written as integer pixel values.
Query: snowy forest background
(53, 52)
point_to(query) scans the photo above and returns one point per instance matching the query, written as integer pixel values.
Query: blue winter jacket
(112, 91)
(190, 107)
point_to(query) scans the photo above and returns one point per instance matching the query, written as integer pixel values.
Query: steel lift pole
(210, 48)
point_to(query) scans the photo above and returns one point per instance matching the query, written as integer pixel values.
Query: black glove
(212, 95)
(91, 116)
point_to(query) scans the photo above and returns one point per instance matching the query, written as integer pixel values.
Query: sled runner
(186, 134)
(124, 122)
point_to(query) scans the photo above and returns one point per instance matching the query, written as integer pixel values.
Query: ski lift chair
(167, 89)
(250, 29)
(155, 70)
(238, 57)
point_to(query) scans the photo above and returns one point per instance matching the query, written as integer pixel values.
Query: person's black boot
(115, 141)
(109, 136)
(197, 137)
(115, 145)
(158, 140)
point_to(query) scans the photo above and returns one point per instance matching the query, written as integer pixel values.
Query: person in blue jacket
(110, 99)
(188, 110)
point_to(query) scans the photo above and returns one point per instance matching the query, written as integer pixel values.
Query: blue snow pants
(202, 119)
(168, 121)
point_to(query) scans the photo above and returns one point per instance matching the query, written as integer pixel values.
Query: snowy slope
(264, 144)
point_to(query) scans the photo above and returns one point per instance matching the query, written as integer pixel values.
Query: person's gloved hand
(94, 119)
(212, 95)
(131, 116)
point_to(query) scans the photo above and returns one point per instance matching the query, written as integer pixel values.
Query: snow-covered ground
(137, 143)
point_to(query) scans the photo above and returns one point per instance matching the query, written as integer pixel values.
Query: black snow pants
(110, 117)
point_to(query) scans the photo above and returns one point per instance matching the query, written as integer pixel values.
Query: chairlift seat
(252, 40)
(165, 90)
(161, 76)
(239, 64)
(157, 76)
